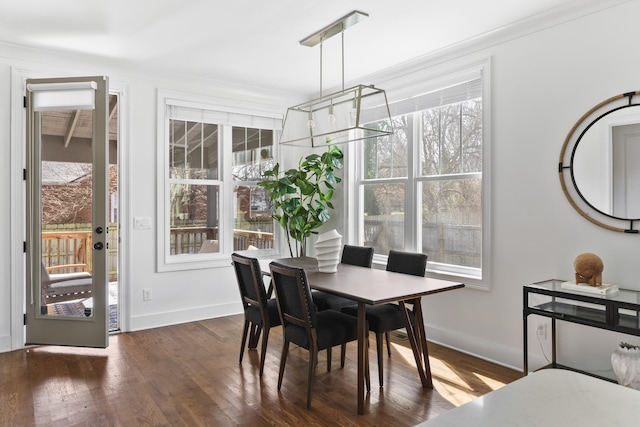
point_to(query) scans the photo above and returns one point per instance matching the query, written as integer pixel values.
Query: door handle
(98, 246)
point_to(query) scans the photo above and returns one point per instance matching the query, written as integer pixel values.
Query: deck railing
(73, 247)
(188, 240)
(243, 239)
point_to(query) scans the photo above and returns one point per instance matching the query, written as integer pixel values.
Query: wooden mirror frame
(565, 165)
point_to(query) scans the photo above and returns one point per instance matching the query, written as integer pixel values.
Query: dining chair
(307, 327)
(361, 256)
(260, 310)
(388, 317)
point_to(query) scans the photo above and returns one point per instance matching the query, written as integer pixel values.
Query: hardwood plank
(189, 375)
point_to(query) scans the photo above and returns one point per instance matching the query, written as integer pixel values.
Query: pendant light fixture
(352, 114)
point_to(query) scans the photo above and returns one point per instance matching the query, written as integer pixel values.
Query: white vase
(626, 365)
(328, 247)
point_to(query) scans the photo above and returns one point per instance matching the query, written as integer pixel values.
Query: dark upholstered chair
(388, 317)
(354, 255)
(260, 311)
(407, 263)
(307, 327)
(361, 256)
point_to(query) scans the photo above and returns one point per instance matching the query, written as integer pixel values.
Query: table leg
(418, 340)
(553, 342)
(362, 348)
(422, 334)
(525, 345)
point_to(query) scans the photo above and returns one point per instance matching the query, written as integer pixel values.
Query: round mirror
(600, 164)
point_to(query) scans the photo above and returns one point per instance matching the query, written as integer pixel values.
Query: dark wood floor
(188, 375)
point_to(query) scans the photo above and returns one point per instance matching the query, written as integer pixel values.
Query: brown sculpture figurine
(588, 269)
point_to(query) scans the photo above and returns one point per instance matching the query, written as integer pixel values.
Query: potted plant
(302, 197)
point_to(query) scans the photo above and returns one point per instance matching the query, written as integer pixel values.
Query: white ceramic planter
(626, 365)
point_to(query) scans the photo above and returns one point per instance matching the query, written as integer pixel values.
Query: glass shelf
(618, 312)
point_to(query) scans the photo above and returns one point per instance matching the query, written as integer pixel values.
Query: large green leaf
(301, 206)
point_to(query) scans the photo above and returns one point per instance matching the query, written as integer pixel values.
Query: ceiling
(256, 43)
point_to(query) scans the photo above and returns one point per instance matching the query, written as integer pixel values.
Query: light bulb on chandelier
(331, 118)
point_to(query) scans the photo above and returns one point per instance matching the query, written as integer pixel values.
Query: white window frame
(226, 114)
(419, 82)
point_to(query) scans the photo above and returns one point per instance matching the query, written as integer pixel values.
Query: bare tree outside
(66, 192)
(449, 182)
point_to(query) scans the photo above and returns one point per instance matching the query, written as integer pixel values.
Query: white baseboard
(5, 343)
(487, 350)
(167, 318)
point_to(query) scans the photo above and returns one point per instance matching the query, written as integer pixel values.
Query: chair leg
(343, 353)
(244, 339)
(283, 361)
(263, 352)
(329, 359)
(254, 336)
(386, 335)
(313, 356)
(379, 338)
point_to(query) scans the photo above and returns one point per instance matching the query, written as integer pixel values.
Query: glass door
(67, 183)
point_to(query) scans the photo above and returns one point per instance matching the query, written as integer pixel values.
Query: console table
(619, 312)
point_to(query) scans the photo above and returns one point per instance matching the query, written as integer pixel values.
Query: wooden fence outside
(445, 243)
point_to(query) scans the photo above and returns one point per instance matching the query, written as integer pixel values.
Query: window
(209, 204)
(252, 155)
(194, 187)
(422, 188)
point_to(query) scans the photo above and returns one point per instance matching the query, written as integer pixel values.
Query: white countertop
(549, 398)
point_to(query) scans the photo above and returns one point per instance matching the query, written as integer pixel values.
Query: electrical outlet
(146, 294)
(542, 331)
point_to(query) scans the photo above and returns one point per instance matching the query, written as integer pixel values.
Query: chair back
(407, 263)
(357, 255)
(250, 282)
(293, 297)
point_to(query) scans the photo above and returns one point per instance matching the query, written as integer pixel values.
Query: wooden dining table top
(369, 285)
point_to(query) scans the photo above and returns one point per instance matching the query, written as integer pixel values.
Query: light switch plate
(142, 222)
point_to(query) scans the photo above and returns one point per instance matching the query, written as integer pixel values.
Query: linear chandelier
(352, 114)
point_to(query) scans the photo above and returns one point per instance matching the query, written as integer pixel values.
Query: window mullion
(202, 145)
(440, 139)
(411, 190)
(460, 139)
(185, 149)
(225, 157)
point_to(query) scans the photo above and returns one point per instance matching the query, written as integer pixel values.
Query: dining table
(373, 286)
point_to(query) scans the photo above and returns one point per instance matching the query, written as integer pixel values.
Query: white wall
(177, 296)
(541, 84)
